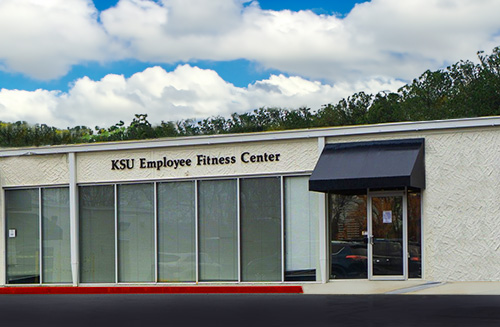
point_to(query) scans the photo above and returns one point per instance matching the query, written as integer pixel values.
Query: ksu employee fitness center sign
(200, 160)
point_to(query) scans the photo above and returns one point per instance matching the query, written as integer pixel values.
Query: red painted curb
(152, 290)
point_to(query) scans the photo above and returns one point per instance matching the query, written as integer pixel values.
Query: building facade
(381, 202)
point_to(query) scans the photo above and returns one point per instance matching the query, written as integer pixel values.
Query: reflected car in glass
(349, 259)
(387, 257)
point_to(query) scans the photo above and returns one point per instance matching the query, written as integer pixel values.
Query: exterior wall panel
(462, 207)
(34, 170)
(461, 203)
(461, 210)
(295, 156)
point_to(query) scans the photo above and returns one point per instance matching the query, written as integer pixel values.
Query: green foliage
(464, 89)
(21, 133)
(350, 111)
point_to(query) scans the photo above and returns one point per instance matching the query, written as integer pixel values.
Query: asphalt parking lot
(249, 310)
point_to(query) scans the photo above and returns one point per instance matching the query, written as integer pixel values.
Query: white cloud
(376, 46)
(202, 17)
(394, 38)
(43, 39)
(33, 106)
(186, 92)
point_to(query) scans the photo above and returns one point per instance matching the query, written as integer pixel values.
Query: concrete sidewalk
(336, 287)
(403, 287)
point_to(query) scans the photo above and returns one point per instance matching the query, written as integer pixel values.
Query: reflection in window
(301, 230)
(261, 229)
(348, 249)
(387, 231)
(136, 233)
(176, 232)
(56, 260)
(23, 242)
(97, 234)
(23, 238)
(414, 235)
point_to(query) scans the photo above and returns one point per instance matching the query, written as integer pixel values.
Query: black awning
(361, 165)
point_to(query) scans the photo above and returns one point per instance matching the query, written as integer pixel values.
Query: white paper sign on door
(387, 217)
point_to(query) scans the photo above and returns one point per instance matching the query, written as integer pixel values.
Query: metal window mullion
(116, 231)
(238, 225)
(370, 235)
(5, 278)
(282, 198)
(324, 238)
(155, 228)
(74, 221)
(421, 238)
(40, 234)
(196, 232)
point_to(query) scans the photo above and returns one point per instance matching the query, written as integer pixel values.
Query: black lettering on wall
(201, 160)
(247, 157)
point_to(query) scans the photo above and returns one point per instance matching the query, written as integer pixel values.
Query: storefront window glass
(97, 234)
(23, 236)
(56, 260)
(414, 235)
(301, 230)
(117, 232)
(218, 232)
(176, 232)
(136, 233)
(387, 230)
(261, 229)
(348, 245)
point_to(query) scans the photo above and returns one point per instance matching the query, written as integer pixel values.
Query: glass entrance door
(387, 224)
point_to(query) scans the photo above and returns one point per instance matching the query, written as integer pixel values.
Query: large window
(414, 235)
(23, 236)
(218, 238)
(55, 236)
(349, 236)
(31, 214)
(261, 229)
(176, 232)
(136, 233)
(301, 230)
(348, 228)
(213, 230)
(97, 234)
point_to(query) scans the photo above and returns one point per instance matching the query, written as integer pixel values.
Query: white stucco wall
(34, 170)
(462, 206)
(461, 203)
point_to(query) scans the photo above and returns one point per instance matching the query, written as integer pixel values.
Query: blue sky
(239, 72)
(94, 63)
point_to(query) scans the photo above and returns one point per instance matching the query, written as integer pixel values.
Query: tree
(464, 89)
